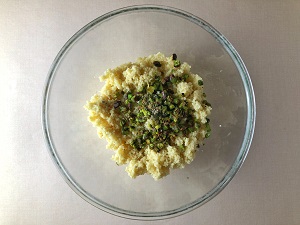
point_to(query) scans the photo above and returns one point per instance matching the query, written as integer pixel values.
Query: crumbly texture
(105, 115)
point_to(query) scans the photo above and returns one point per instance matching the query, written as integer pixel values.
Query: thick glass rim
(250, 123)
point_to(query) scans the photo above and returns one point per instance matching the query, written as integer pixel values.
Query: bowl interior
(83, 157)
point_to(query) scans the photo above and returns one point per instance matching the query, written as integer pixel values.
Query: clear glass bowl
(121, 36)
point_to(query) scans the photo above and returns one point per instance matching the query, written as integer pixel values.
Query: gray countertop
(265, 190)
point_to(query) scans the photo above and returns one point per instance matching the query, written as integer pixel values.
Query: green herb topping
(155, 115)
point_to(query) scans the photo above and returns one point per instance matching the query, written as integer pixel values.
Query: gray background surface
(266, 189)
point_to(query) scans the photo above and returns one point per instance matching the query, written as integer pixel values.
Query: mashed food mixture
(153, 114)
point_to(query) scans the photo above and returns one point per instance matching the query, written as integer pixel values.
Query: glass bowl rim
(250, 123)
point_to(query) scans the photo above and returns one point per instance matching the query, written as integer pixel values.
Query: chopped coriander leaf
(174, 80)
(200, 82)
(181, 147)
(129, 96)
(185, 76)
(207, 135)
(176, 63)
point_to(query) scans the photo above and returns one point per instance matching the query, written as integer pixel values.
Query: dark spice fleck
(174, 56)
(117, 104)
(171, 91)
(206, 103)
(157, 63)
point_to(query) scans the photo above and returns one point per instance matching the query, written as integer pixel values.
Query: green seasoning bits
(155, 115)
(129, 96)
(197, 124)
(207, 135)
(185, 77)
(176, 63)
(174, 80)
(208, 129)
(151, 89)
(160, 145)
(200, 82)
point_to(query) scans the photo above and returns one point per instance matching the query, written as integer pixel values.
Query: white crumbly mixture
(134, 76)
